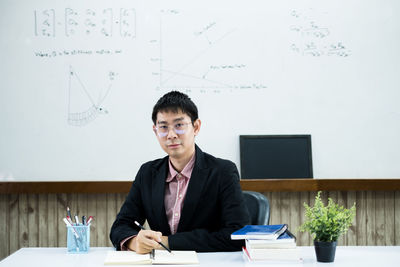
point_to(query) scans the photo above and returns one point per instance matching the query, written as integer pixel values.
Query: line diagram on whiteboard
(83, 107)
(200, 55)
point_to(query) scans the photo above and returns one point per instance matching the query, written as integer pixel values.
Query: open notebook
(160, 257)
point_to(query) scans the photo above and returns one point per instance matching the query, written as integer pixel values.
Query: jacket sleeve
(131, 210)
(233, 216)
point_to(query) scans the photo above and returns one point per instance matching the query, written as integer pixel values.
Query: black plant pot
(325, 251)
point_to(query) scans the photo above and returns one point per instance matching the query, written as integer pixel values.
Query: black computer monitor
(275, 156)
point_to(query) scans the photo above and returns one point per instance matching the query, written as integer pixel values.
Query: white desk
(345, 256)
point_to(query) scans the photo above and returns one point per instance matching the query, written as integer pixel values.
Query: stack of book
(268, 243)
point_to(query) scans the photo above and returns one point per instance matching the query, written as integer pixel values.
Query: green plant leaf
(327, 223)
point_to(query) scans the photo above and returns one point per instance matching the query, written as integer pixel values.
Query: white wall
(325, 68)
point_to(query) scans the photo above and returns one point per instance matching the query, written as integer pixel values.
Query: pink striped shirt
(175, 192)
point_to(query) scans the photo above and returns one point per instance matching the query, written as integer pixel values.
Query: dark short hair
(175, 101)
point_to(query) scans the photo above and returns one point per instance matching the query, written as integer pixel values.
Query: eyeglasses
(179, 128)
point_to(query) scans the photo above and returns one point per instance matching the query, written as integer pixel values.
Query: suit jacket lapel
(157, 198)
(195, 189)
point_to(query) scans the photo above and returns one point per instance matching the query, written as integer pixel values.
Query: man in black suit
(190, 199)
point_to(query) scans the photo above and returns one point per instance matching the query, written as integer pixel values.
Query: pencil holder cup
(78, 239)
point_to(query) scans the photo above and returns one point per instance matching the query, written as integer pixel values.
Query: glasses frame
(177, 131)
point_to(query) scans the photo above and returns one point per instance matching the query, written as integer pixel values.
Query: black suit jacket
(213, 207)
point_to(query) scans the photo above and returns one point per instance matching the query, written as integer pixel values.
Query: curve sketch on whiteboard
(82, 107)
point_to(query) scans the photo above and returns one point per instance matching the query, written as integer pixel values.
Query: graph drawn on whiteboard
(193, 55)
(85, 104)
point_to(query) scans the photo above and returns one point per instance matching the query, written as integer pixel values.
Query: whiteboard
(79, 80)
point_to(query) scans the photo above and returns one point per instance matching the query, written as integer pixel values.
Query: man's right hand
(145, 241)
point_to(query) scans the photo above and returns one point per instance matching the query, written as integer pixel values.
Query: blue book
(259, 232)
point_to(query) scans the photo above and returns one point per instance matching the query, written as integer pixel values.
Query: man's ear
(197, 126)
(155, 130)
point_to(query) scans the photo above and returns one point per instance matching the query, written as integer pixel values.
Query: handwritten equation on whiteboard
(313, 39)
(69, 22)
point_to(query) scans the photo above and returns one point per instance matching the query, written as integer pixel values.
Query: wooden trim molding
(64, 187)
(263, 185)
(299, 185)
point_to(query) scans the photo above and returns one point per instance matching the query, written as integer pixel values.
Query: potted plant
(326, 224)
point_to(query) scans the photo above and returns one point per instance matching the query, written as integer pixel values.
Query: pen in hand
(141, 227)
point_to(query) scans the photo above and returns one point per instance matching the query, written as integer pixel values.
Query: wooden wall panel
(361, 230)
(62, 203)
(370, 219)
(352, 233)
(101, 220)
(302, 238)
(52, 220)
(268, 195)
(82, 208)
(23, 220)
(33, 220)
(397, 218)
(36, 219)
(4, 231)
(342, 200)
(74, 205)
(43, 237)
(285, 208)
(13, 223)
(389, 219)
(294, 211)
(111, 213)
(380, 218)
(275, 211)
(92, 211)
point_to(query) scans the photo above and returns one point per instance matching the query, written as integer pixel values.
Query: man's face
(176, 134)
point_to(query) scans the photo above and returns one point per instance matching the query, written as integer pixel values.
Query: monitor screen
(275, 156)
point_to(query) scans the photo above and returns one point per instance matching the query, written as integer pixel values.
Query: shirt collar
(186, 172)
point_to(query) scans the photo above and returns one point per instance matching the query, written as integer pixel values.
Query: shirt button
(179, 176)
(176, 214)
(180, 196)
